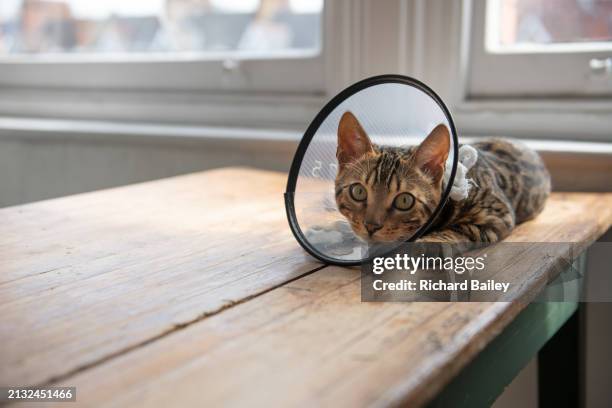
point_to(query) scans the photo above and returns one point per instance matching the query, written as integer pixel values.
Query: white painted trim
(555, 48)
(14, 127)
(252, 75)
(266, 110)
(152, 57)
(576, 126)
(419, 38)
(404, 36)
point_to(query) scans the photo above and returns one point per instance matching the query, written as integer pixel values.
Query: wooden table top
(192, 290)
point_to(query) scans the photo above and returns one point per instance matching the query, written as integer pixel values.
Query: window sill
(575, 166)
(63, 129)
(125, 131)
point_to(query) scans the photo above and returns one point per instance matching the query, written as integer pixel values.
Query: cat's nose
(372, 227)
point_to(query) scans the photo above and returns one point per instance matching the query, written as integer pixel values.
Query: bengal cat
(387, 193)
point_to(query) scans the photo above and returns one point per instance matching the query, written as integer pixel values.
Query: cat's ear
(431, 155)
(353, 141)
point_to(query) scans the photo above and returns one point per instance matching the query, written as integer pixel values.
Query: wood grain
(313, 342)
(86, 277)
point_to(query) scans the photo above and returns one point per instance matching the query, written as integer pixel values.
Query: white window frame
(231, 89)
(561, 70)
(427, 39)
(225, 72)
(577, 117)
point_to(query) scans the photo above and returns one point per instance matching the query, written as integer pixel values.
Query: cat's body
(510, 186)
(387, 193)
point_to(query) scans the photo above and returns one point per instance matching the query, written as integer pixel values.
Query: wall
(38, 165)
(34, 168)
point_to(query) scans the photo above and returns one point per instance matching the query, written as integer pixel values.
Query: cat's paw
(434, 238)
(440, 244)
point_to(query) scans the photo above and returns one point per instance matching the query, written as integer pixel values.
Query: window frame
(557, 70)
(554, 117)
(223, 73)
(227, 89)
(426, 39)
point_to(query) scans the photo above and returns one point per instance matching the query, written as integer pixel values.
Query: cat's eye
(403, 201)
(358, 192)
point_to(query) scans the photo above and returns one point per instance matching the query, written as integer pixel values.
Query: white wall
(37, 168)
(38, 165)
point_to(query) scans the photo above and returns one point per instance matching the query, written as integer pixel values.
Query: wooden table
(192, 291)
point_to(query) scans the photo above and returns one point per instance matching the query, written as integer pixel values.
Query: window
(524, 48)
(245, 45)
(42, 27)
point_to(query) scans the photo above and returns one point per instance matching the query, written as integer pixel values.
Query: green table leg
(560, 370)
(484, 379)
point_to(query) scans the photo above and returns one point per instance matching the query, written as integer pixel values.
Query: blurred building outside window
(540, 23)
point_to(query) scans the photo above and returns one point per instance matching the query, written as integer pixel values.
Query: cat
(387, 193)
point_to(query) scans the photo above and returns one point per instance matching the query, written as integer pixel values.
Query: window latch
(601, 66)
(230, 65)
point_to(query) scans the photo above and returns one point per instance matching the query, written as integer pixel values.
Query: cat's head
(388, 193)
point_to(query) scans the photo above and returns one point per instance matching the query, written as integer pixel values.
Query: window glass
(542, 23)
(43, 27)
